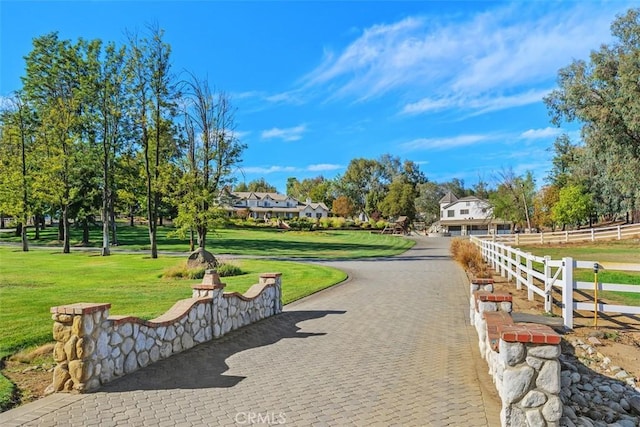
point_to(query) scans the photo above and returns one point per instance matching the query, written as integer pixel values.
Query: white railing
(541, 274)
(617, 232)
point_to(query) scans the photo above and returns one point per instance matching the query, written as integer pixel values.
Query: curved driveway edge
(391, 346)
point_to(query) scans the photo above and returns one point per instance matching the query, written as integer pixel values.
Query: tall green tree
(573, 207)
(399, 200)
(52, 86)
(603, 96)
(513, 198)
(14, 180)
(104, 83)
(261, 186)
(153, 97)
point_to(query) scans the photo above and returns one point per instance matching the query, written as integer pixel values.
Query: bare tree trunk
(66, 247)
(85, 231)
(105, 200)
(37, 225)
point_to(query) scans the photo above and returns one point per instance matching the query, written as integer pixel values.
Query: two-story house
(469, 215)
(261, 205)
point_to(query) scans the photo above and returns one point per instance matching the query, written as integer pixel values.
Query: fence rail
(540, 275)
(617, 232)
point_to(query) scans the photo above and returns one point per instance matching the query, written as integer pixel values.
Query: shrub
(381, 224)
(469, 257)
(182, 271)
(338, 222)
(227, 270)
(325, 222)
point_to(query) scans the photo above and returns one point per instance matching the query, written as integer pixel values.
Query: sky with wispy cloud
(456, 87)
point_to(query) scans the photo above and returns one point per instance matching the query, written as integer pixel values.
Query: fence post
(566, 235)
(509, 261)
(517, 239)
(518, 270)
(503, 262)
(593, 235)
(529, 277)
(547, 284)
(567, 292)
(541, 238)
(619, 233)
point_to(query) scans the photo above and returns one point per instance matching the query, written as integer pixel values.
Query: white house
(469, 215)
(274, 205)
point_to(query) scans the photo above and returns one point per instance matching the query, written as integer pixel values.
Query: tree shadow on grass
(203, 366)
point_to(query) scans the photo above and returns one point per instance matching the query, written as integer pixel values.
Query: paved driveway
(391, 346)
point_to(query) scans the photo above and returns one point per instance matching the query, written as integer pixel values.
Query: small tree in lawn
(213, 151)
(574, 206)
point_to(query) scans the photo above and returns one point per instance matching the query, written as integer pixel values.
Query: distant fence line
(617, 232)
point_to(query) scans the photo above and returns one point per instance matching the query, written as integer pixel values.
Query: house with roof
(469, 216)
(261, 205)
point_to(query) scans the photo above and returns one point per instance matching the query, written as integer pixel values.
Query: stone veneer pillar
(276, 280)
(77, 331)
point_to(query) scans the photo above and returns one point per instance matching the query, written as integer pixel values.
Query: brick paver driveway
(391, 346)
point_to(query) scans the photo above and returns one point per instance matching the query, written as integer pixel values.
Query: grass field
(31, 283)
(244, 241)
(624, 251)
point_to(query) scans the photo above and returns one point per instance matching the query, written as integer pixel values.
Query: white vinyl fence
(541, 274)
(617, 232)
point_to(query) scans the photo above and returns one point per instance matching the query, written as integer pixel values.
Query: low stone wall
(522, 359)
(93, 348)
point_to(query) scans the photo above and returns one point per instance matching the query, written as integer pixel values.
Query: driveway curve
(391, 346)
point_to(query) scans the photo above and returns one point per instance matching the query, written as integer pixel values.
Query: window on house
(308, 214)
(464, 211)
(451, 213)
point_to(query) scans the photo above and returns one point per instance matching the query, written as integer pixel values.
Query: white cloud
(485, 61)
(323, 167)
(269, 169)
(240, 134)
(287, 134)
(545, 133)
(481, 104)
(444, 143)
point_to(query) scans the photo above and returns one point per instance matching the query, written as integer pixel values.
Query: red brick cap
(529, 333)
(495, 321)
(485, 296)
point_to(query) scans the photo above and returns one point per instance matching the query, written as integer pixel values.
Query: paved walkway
(391, 346)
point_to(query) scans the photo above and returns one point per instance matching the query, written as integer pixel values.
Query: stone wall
(93, 348)
(523, 359)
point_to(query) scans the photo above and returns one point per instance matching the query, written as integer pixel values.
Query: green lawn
(245, 241)
(625, 251)
(32, 282)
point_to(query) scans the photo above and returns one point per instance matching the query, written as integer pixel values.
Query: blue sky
(454, 86)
